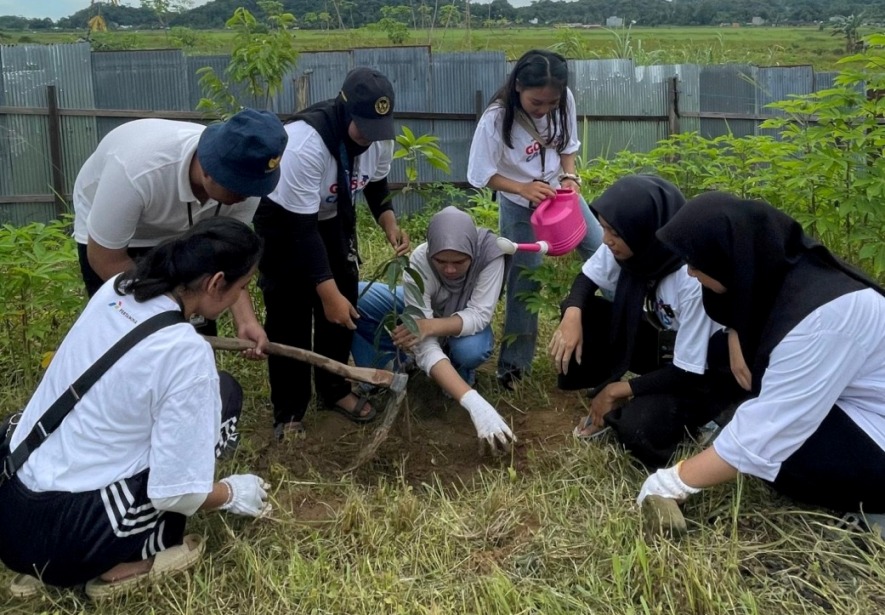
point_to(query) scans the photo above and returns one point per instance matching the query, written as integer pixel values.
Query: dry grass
(553, 531)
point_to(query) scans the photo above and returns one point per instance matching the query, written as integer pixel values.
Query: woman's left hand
(609, 398)
(570, 184)
(253, 332)
(404, 339)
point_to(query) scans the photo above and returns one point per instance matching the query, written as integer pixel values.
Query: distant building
(757, 21)
(615, 22)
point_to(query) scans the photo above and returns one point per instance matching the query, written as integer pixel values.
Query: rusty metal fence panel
(636, 100)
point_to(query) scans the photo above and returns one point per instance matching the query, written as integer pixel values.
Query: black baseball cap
(368, 98)
(243, 154)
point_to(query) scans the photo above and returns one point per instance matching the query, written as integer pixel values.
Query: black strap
(53, 417)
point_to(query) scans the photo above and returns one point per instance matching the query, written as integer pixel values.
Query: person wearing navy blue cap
(309, 271)
(151, 180)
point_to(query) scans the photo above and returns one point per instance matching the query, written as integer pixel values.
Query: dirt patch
(435, 439)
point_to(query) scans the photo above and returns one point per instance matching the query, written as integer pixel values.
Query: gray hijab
(453, 229)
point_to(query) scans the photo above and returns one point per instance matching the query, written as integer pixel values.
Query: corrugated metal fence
(625, 106)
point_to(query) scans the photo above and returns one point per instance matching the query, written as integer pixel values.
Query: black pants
(66, 539)
(93, 282)
(651, 426)
(839, 467)
(295, 317)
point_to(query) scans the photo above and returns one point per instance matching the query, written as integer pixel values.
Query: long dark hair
(537, 68)
(213, 245)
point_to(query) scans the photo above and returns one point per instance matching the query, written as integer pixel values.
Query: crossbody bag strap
(528, 125)
(56, 413)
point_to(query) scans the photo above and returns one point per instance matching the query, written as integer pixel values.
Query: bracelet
(570, 176)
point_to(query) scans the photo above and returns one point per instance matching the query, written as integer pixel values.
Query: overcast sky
(56, 9)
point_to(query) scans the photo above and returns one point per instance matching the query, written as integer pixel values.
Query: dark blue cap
(243, 154)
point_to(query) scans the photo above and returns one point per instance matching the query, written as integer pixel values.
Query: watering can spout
(509, 247)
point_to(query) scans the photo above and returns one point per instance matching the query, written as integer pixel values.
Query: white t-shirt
(490, 156)
(834, 356)
(158, 406)
(309, 172)
(679, 306)
(135, 190)
(476, 315)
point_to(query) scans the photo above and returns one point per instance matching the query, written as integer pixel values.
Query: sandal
(172, 560)
(354, 415)
(25, 586)
(586, 430)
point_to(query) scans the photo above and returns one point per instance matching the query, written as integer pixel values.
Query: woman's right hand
(738, 364)
(338, 310)
(567, 339)
(536, 191)
(247, 495)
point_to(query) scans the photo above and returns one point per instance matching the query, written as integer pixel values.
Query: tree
(164, 9)
(849, 27)
(262, 55)
(394, 22)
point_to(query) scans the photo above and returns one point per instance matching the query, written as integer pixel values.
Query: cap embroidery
(382, 106)
(273, 163)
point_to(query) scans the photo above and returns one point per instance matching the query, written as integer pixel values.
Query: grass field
(430, 527)
(762, 46)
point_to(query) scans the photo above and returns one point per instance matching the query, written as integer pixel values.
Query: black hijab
(331, 120)
(773, 273)
(636, 206)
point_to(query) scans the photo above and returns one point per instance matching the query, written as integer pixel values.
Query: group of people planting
(713, 305)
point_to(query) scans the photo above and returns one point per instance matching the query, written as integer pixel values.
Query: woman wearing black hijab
(309, 271)
(598, 341)
(813, 334)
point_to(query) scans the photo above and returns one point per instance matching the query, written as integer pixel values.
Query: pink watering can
(558, 224)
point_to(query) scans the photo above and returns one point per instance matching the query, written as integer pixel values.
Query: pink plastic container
(559, 223)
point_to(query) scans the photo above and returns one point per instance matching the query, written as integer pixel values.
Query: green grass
(702, 45)
(430, 528)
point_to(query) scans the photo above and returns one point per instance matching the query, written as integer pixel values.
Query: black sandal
(354, 415)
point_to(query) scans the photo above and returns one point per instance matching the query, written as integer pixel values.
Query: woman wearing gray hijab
(463, 272)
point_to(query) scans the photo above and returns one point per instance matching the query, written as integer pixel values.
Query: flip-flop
(354, 415)
(586, 431)
(25, 586)
(170, 561)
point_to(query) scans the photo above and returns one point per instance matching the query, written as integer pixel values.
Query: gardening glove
(666, 483)
(248, 495)
(490, 427)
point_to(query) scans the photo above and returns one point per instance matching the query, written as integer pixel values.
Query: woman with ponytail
(524, 148)
(104, 499)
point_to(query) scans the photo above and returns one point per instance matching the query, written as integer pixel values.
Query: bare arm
(248, 327)
(445, 375)
(534, 191)
(107, 262)
(706, 469)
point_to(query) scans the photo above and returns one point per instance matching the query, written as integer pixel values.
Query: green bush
(40, 296)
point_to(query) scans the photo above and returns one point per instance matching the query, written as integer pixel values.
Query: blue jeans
(521, 325)
(466, 353)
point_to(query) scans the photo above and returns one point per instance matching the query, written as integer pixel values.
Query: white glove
(248, 495)
(489, 424)
(666, 483)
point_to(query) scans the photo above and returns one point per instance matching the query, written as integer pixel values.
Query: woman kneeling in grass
(598, 340)
(104, 499)
(812, 331)
(463, 272)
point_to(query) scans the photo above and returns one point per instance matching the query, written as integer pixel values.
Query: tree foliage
(434, 13)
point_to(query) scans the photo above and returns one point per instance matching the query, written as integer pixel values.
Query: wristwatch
(570, 176)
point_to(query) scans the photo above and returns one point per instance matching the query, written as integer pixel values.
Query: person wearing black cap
(812, 333)
(309, 271)
(151, 180)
